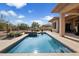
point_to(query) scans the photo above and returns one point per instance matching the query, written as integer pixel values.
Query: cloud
(17, 5)
(21, 16)
(12, 13)
(14, 18)
(43, 20)
(8, 13)
(29, 11)
(19, 21)
(48, 17)
(4, 12)
(38, 21)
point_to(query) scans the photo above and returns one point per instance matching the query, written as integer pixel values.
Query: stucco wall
(57, 25)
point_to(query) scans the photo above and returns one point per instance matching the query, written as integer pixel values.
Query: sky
(27, 12)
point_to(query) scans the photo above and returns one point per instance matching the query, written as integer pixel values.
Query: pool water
(40, 44)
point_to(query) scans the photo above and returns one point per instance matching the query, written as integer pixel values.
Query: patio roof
(66, 8)
(59, 7)
(54, 18)
(71, 16)
(66, 17)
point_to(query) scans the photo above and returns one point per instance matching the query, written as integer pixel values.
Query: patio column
(62, 24)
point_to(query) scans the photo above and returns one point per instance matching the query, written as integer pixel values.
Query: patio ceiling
(54, 18)
(59, 6)
(66, 17)
(66, 8)
(71, 17)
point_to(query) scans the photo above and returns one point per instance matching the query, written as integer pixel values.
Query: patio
(72, 36)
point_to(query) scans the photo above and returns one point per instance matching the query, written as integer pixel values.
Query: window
(54, 25)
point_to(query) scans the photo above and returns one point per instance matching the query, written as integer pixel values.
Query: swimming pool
(40, 44)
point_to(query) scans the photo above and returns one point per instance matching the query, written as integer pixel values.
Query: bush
(11, 34)
(17, 34)
(14, 34)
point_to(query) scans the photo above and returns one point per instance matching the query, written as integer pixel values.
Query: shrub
(17, 34)
(11, 34)
(14, 34)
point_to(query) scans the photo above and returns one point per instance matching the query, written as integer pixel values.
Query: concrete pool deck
(71, 44)
(7, 42)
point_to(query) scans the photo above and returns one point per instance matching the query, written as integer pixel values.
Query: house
(69, 17)
(46, 27)
(55, 24)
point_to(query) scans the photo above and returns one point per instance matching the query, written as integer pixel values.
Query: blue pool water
(40, 44)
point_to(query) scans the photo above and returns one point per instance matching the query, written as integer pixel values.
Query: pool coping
(73, 51)
(71, 44)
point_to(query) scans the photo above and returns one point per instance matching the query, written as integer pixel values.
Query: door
(78, 27)
(67, 27)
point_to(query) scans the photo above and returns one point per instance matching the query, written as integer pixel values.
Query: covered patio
(72, 27)
(68, 20)
(72, 37)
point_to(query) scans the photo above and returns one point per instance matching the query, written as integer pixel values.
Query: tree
(2, 24)
(35, 26)
(5, 26)
(22, 26)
